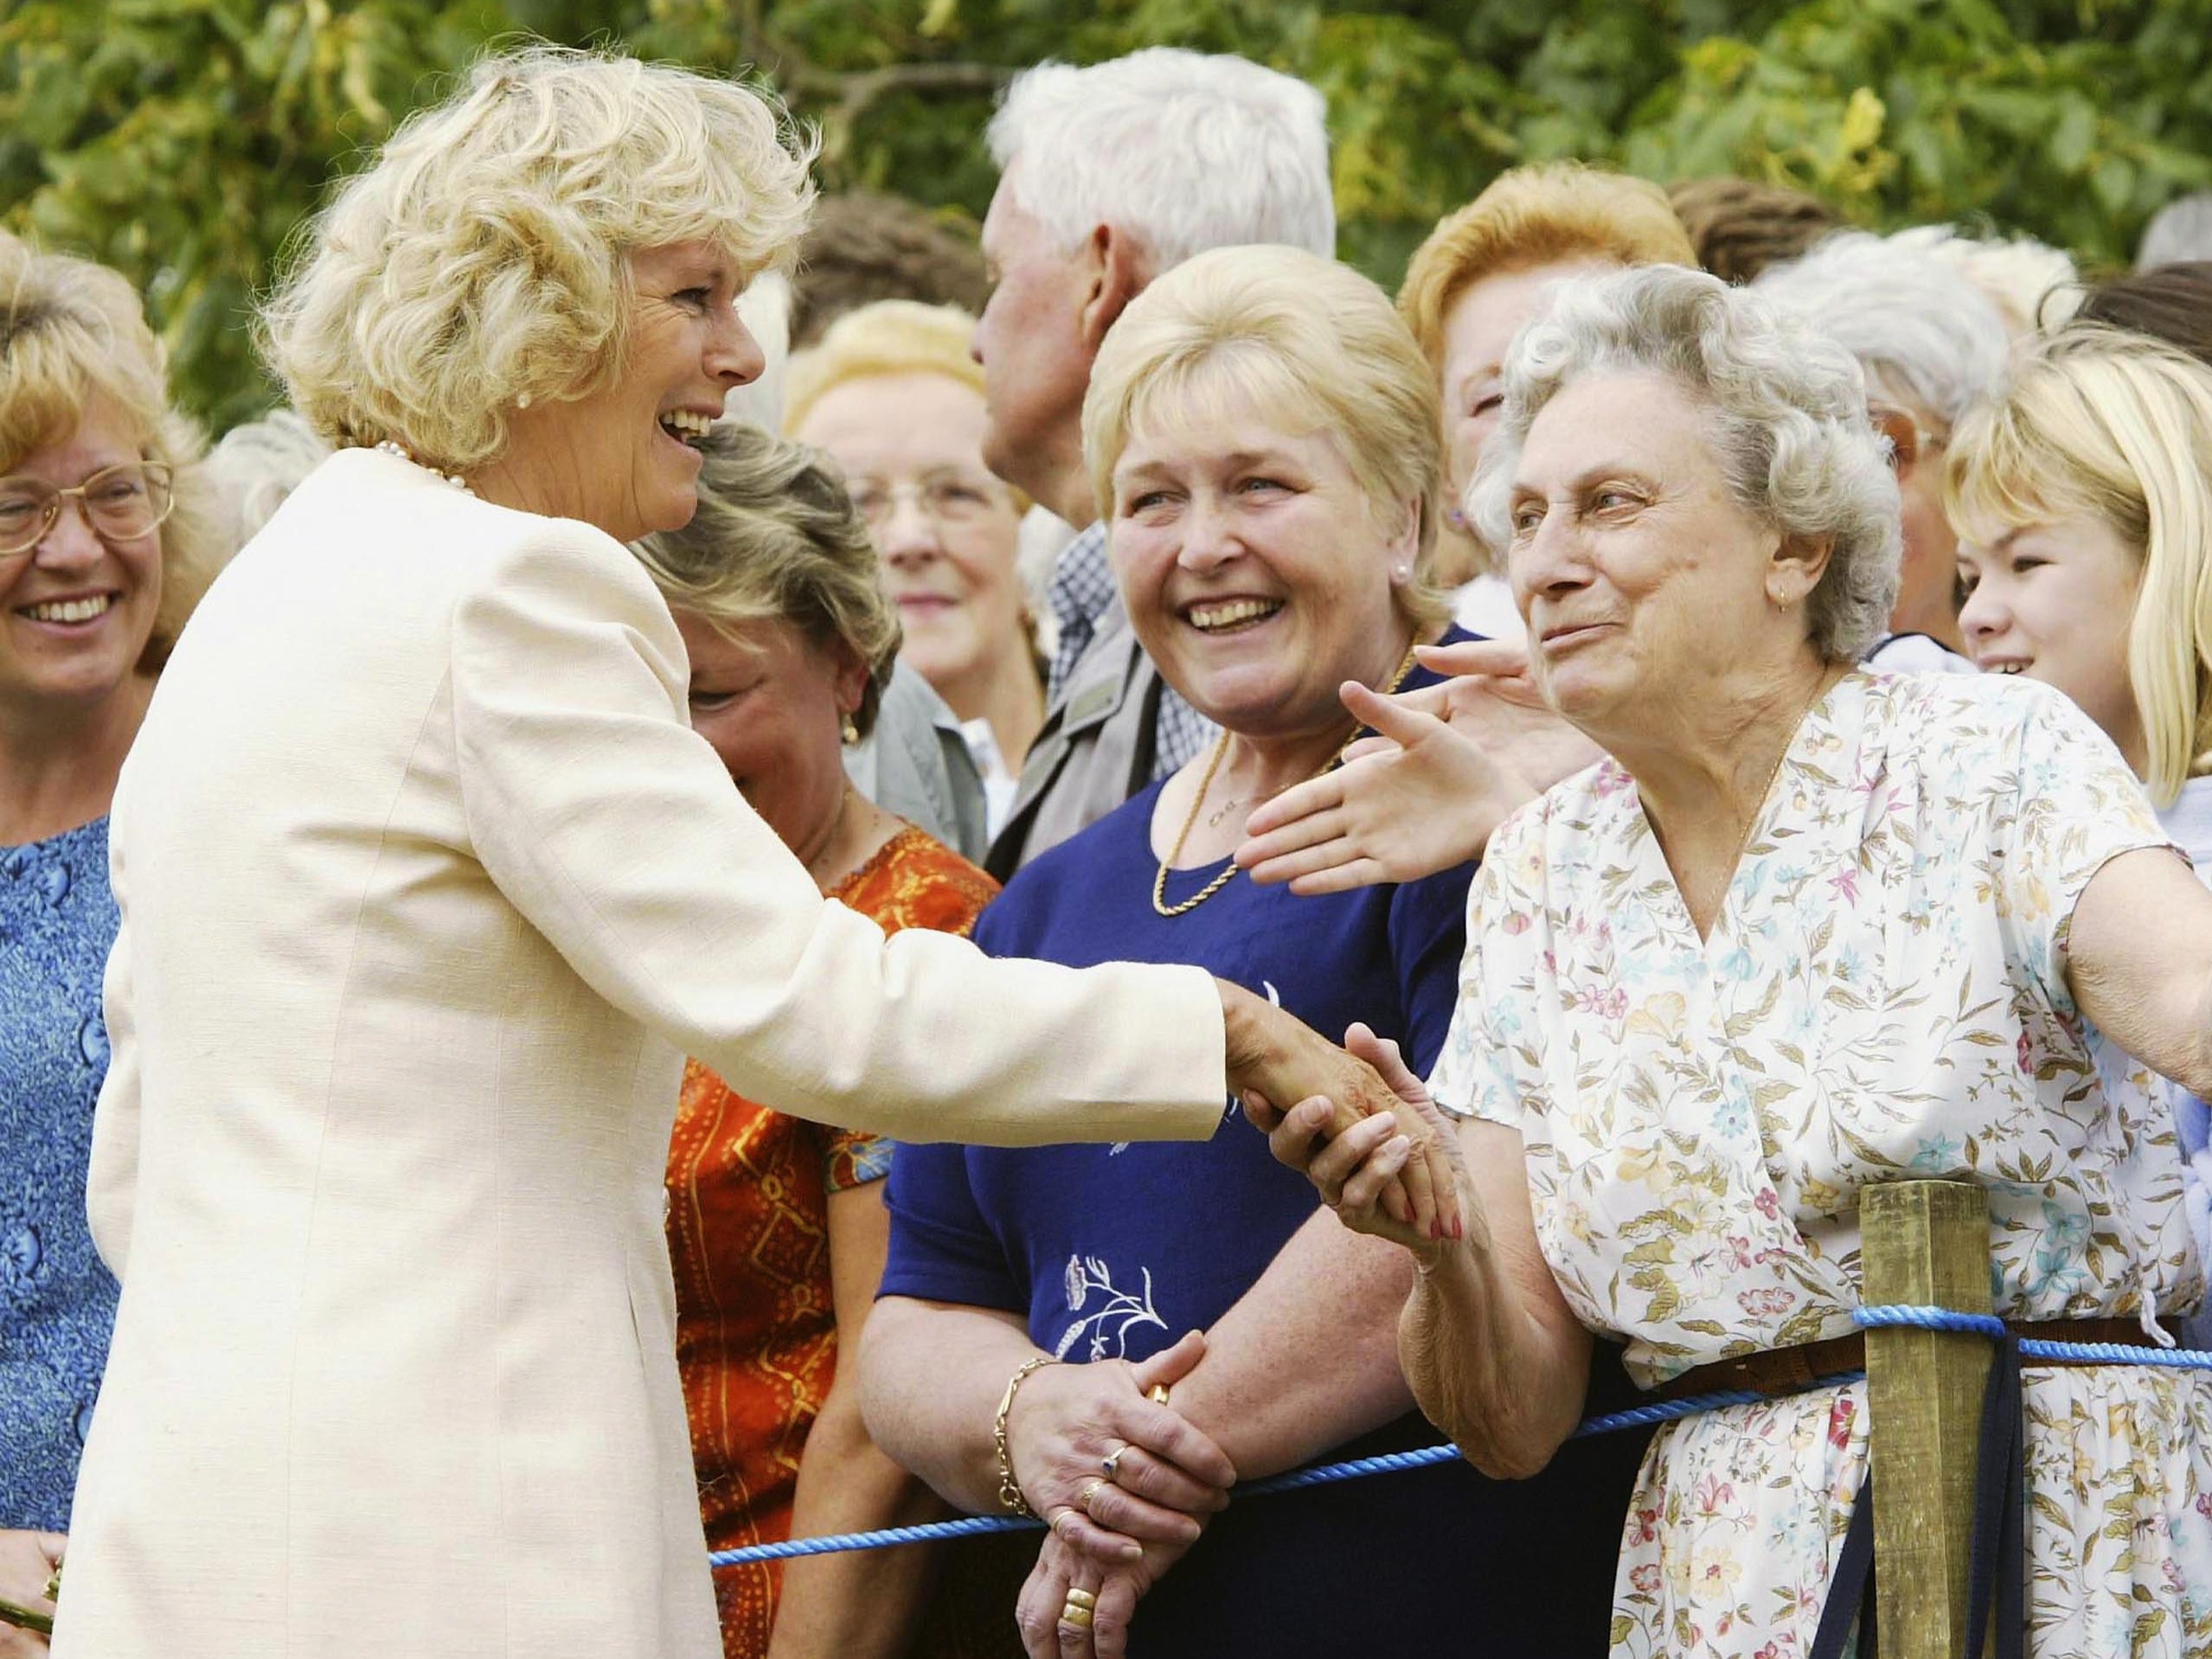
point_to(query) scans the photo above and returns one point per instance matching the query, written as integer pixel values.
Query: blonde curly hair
(483, 259)
(72, 331)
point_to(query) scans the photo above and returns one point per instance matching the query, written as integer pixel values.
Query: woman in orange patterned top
(776, 1226)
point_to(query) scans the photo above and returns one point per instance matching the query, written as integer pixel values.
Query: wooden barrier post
(1924, 1243)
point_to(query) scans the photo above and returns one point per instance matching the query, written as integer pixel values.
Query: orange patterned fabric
(756, 1328)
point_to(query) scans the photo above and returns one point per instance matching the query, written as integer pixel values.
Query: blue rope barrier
(2031, 1347)
(1635, 1417)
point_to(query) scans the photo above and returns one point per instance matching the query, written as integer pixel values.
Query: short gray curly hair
(1788, 423)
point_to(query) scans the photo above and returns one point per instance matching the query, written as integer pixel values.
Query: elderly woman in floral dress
(1809, 928)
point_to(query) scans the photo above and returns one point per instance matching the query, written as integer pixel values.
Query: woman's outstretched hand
(1449, 763)
(1354, 1167)
(1278, 1065)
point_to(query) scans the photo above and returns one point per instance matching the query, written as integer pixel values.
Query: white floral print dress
(1883, 997)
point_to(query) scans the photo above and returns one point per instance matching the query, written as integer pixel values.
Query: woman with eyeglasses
(893, 397)
(96, 561)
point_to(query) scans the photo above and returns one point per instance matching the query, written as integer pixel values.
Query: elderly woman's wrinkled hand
(1068, 1420)
(1450, 762)
(1276, 1063)
(1354, 1168)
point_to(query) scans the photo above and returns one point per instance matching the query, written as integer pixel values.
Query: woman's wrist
(1010, 1498)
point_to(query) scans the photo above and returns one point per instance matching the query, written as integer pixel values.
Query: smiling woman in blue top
(1263, 434)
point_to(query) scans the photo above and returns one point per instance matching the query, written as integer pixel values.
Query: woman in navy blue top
(97, 558)
(1267, 432)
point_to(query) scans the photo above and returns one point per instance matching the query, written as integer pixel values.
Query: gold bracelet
(1009, 1489)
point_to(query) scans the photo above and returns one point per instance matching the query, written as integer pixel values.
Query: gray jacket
(916, 764)
(1096, 749)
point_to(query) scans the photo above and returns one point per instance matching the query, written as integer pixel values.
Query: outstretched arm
(2140, 962)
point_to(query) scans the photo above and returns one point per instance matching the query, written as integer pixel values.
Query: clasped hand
(1274, 1063)
(1111, 1537)
(1354, 1168)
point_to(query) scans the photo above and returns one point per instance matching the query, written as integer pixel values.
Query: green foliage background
(183, 140)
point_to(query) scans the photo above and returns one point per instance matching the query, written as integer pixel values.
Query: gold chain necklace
(1160, 904)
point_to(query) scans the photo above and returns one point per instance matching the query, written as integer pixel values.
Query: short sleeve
(1489, 1065)
(2066, 808)
(853, 1158)
(942, 1249)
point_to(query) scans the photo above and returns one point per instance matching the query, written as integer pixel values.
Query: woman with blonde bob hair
(105, 539)
(1807, 928)
(427, 887)
(1263, 430)
(2083, 502)
(893, 394)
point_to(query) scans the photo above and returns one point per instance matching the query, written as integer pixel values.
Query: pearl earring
(850, 730)
(1401, 572)
(523, 402)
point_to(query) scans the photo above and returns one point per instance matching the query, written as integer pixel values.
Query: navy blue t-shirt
(1115, 1251)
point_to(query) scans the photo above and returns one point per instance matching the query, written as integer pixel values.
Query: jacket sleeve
(614, 830)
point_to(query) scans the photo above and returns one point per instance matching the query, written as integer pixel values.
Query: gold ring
(1159, 1395)
(1075, 1614)
(1059, 1515)
(1080, 1597)
(1083, 1498)
(1112, 1464)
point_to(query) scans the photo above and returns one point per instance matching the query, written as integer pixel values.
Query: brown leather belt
(1777, 1371)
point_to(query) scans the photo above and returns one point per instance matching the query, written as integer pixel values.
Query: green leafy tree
(186, 141)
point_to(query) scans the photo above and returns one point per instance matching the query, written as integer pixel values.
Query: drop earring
(850, 730)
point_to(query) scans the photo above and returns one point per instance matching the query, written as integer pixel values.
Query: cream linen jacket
(427, 887)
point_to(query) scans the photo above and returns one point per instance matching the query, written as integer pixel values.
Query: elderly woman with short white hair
(1809, 928)
(427, 887)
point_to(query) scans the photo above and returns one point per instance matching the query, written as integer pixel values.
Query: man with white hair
(2181, 230)
(1111, 175)
(1931, 345)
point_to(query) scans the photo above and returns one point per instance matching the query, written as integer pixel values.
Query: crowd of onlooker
(1024, 575)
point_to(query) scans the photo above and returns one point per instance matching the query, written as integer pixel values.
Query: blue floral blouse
(57, 1301)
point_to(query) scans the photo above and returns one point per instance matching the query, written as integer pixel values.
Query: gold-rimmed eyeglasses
(119, 504)
(952, 499)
